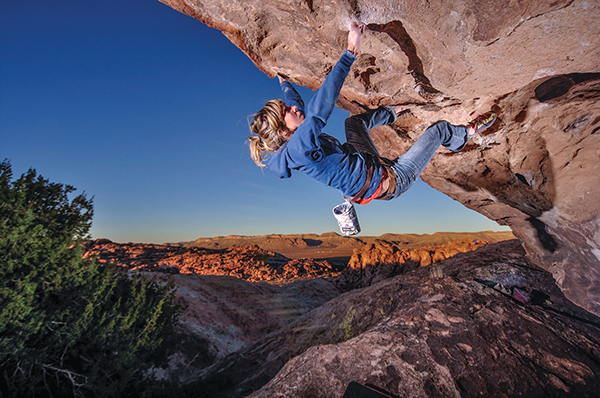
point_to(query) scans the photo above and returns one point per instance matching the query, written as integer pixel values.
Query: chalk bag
(345, 215)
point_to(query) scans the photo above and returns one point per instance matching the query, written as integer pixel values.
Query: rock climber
(287, 135)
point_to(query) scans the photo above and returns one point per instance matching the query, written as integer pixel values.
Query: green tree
(70, 326)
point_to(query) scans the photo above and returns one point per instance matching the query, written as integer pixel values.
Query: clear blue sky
(145, 109)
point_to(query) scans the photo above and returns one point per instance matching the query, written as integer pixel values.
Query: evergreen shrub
(70, 326)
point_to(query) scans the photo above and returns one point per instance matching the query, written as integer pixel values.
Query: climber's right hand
(355, 38)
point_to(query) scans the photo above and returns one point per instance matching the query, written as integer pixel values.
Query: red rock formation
(535, 63)
(250, 263)
(382, 260)
(375, 261)
(382, 253)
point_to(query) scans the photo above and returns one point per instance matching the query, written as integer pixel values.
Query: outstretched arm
(303, 147)
(322, 103)
(290, 95)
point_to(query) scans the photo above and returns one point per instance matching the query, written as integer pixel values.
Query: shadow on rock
(424, 334)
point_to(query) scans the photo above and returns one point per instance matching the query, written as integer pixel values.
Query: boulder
(535, 63)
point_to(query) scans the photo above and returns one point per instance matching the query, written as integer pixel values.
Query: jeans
(409, 166)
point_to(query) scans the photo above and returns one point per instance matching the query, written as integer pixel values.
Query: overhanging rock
(537, 64)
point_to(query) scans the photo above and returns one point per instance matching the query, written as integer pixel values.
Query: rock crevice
(396, 31)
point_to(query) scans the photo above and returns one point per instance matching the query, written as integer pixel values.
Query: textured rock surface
(535, 63)
(382, 253)
(224, 315)
(424, 334)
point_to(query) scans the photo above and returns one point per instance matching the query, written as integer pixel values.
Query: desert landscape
(305, 315)
(469, 314)
(263, 258)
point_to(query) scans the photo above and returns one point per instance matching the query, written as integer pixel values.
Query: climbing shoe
(481, 122)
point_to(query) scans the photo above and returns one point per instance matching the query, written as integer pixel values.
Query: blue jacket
(317, 154)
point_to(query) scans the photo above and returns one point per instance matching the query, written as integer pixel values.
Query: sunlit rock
(536, 64)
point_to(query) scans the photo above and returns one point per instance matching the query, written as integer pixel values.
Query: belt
(388, 172)
(359, 196)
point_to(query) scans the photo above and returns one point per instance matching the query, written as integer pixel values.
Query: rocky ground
(455, 319)
(249, 263)
(435, 331)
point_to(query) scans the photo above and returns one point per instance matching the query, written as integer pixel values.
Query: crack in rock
(396, 31)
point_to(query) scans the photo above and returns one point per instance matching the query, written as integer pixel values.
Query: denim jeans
(409, 166)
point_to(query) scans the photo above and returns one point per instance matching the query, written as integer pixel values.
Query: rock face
(423, 334)
(382, 253)
(535, 63)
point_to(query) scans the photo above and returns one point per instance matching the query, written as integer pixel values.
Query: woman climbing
(287, 136)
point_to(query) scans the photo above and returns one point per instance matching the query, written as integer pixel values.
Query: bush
(70, 326)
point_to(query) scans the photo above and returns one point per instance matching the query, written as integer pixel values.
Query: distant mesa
(285, 258)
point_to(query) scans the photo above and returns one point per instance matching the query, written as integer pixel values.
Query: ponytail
(269, 131)
(257, 149)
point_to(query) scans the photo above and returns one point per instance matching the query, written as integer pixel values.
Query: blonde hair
(269, 129)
